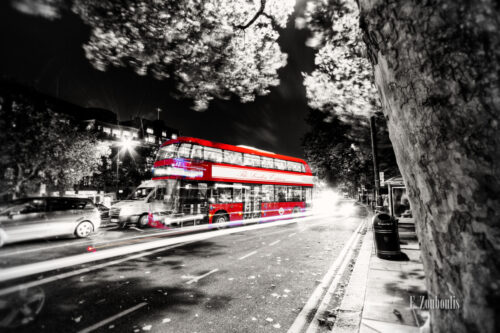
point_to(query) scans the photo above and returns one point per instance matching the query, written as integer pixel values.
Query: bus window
(294, 193)
(169, 151)
(267, 193)
(225, 194)
(202, 191)
(280, 194)
(308, 196)
(267, 163)
(237, 193)
(213, 154)
(251, 160)
(233, 157)
(185, 150)
(197, 152)
(279, 164)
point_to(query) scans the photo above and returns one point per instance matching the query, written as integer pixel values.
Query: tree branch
(255, 17)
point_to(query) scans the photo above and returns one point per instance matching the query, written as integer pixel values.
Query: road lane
(274, 283)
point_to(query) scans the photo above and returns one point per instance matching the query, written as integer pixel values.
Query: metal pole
(375, 160)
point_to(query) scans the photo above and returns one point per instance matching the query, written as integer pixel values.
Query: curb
(351, 308)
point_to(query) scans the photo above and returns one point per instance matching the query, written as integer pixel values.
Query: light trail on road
(59, 263)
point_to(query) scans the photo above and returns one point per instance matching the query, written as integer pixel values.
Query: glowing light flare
(328, 201)
(170, 171)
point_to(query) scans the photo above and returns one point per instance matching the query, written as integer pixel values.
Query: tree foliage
(342, 83)
(40, 146)
(212, 48)
(336, 152)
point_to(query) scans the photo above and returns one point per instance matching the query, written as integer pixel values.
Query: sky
(48, 55)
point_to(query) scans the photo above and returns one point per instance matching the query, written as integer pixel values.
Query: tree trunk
(437, 66)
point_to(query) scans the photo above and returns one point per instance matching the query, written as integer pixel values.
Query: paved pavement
(265, 279)
(377, 298)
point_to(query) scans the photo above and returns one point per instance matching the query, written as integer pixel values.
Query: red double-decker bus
(223, 183)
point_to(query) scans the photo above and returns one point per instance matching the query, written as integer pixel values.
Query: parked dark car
(104, 211)
(43, 217)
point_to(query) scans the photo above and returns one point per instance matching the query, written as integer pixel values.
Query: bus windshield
(169, 151)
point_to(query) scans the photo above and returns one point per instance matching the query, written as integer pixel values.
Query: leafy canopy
(212, 48)
(43, 147)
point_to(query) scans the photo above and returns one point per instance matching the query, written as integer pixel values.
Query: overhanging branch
(255, 17)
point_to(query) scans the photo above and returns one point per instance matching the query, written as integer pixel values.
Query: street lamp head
(127, 144)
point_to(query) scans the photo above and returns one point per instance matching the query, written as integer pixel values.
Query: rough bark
(437, 66)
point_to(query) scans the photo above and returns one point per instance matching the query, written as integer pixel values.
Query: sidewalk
(377, 298)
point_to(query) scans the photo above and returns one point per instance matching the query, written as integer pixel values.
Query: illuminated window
(213, 154)
(135, 135)
(115, 132)
(149, 130)
(169, 151)
(126, 134)
(279, 164)
(174, 136)
(106, 130)
(280, 194)
(164, 133)
(293, 166)
(233, 157)
(251, 160)
(185, 150)
(197, 152)
(267, 162)
(151, 138)
(267, 193)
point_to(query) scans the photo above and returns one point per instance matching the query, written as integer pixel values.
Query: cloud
(48, 9)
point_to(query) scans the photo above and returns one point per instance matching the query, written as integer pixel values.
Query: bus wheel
(143, 222)
(220, 218)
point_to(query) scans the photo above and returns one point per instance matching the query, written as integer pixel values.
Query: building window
(151, 138)
(116, 132)
(126, 134)
(174, 136)
(149, 130)
(164, 134)
(106, 130)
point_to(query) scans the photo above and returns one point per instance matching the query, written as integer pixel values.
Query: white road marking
(112, 318)
(134, 228)
(292, 234)
(313, 326)
(275, 242)
(196, 279)
(248, 255)
(315, 298)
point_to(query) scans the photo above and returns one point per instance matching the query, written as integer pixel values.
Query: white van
(150, 196)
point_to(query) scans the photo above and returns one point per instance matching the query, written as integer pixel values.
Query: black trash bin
(385, 232)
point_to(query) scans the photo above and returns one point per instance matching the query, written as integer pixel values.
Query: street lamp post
(125, 144)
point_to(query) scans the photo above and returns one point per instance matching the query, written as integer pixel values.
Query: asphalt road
(251, 281)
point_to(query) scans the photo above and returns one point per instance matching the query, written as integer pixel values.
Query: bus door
(194, 198)
(256, 200)
(247, 201)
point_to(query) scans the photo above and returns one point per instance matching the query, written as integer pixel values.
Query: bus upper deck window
(197, 152)
(169, 151)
